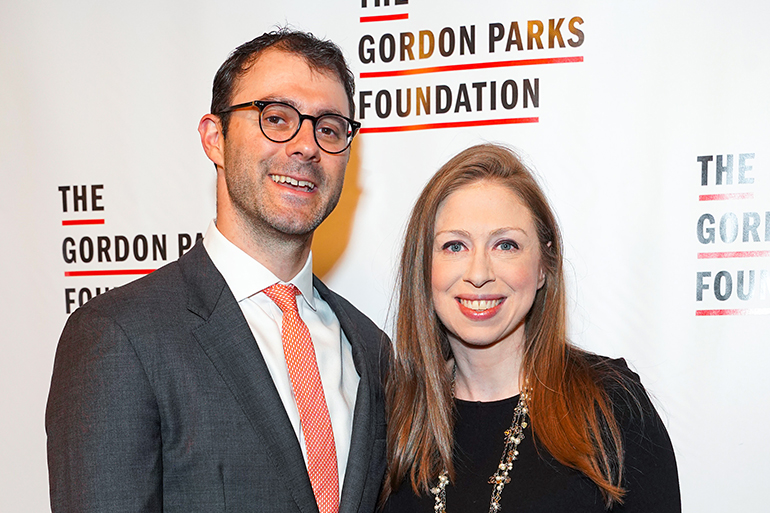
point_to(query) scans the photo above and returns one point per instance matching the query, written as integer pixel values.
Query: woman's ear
(541, 279)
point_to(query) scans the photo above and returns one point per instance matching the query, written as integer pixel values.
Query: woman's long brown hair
(570, 411)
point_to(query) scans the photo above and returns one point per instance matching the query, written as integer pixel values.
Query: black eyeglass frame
(261, 105)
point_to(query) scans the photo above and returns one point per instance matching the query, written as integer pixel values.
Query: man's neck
(283, 255)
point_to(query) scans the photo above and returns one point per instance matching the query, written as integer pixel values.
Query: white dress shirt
(247, 278)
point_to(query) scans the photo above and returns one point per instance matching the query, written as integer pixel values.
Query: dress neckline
(499, 402)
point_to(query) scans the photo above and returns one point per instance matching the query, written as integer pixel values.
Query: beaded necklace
(513, 437)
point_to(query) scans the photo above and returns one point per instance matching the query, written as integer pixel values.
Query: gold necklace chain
(513, 437)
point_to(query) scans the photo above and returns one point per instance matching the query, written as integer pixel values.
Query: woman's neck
(485, 375)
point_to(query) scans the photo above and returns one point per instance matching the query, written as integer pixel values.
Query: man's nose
(303, 145)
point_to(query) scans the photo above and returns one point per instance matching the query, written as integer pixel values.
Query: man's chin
(297, 227)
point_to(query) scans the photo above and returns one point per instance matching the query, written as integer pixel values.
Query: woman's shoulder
(609, 367)
(650, 464)
(623, 386)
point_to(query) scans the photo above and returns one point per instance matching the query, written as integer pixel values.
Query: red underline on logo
(388, 17)
(451, 124)
(742, 311)
(110, 272)
(464, 67)
(78, 222)
(735, 254)
(716, 197)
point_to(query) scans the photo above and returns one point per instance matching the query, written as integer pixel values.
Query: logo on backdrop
(422, 77)
(97, 259)
(733, 235)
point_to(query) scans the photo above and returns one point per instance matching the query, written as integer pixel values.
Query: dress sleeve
(102, 422)
(650, 474)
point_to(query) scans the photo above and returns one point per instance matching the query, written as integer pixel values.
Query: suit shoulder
(163, 296)
(158, 290)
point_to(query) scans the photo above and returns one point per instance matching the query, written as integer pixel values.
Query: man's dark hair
(320, 55)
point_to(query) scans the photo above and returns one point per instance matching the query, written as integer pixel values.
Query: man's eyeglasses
(280, 122)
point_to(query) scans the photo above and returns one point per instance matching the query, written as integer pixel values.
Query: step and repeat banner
(647, 125)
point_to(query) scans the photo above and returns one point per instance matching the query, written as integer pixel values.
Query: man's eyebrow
(290, 101)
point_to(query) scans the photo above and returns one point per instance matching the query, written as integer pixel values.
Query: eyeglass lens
(281, 122)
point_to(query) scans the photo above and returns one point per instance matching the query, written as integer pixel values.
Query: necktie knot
(285, 296)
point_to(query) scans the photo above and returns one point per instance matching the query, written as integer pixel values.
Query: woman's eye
(453, 247)
(508, 245)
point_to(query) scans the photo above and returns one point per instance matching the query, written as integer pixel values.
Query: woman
(490, 407)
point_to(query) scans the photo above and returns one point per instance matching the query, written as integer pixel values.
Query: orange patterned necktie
(311, 401)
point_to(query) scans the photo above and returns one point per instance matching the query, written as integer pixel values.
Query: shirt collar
(244, 275)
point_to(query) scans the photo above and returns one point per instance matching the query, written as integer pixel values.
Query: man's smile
(308, 186)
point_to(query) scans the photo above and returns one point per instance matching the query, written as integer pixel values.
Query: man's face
(285, 187)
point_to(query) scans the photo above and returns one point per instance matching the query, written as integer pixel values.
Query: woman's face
(486, 265)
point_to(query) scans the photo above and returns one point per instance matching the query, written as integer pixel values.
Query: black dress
(539, 484)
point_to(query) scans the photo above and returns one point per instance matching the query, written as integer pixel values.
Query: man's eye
(328, 131)
(274, 120)
(330, 128)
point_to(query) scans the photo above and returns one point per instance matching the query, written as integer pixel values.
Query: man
(204, 386)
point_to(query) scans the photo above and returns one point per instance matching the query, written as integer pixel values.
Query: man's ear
(210, 130)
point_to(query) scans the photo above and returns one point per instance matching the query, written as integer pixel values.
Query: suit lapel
(362, 439)
(228, 342)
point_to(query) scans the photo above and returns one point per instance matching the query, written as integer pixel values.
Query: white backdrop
(629, 105)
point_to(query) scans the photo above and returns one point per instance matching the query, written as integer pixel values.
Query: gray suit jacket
(161, 401)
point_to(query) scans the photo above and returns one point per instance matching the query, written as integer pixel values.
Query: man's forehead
(280, 55)
(268, 66)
